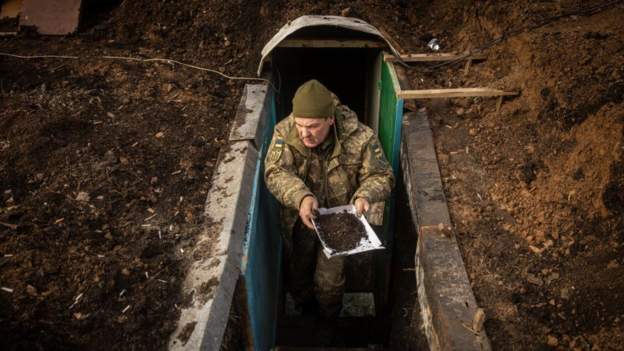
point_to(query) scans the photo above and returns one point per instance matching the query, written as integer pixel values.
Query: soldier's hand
(361, 206)
(307, 210)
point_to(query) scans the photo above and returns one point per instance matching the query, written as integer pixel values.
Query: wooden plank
(331, 43)
(450, 93)
(292, 348)
(56, 17)
(436, 57)
(447, 303)
(404, 84)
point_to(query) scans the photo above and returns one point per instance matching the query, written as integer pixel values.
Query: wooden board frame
(453, 92)
(435, 57)
(331, 43)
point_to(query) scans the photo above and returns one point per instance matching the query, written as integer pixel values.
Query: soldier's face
(313, 131)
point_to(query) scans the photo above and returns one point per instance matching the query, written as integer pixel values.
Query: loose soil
(535, 190)
(341, 232)
(105, 164)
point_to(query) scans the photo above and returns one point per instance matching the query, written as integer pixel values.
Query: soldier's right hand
(307, 210)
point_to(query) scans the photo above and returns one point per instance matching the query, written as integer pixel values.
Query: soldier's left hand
(361, 206)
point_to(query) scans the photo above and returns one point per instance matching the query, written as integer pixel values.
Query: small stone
(552, 277)
(125, 271)
(565, 293)
(159, 135)
(31, 290)
(80, 316)
(533, 279)
(540, 235)
(478, 320)
(460, 111)
(443, 158)
(552, 341)
(535, 249)
(109, 156)
(83, 197)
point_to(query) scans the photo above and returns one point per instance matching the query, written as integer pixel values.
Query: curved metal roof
(320, 21)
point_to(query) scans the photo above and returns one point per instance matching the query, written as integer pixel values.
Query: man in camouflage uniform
(321, 155)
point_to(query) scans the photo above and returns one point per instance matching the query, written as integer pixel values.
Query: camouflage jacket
(352, 166)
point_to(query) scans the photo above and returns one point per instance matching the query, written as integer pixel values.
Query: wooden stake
(327, 43)
(499, 103)
(467, 68)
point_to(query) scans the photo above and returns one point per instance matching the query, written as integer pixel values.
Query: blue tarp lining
(262, 251)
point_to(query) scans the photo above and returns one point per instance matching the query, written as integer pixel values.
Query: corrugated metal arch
(320, 21)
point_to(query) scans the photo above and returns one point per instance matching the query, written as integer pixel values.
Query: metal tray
(369, 243)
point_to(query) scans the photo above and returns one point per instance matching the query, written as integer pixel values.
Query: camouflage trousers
(309, 273)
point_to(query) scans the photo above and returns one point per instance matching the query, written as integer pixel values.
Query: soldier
(321, 155)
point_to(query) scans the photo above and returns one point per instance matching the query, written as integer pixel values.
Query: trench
(413, 295)
(397, 327)
(380, 283)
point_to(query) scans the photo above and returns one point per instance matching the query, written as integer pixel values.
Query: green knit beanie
(313, 100)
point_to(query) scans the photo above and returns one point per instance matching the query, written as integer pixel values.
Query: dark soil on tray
(105, 163)
(341, 231)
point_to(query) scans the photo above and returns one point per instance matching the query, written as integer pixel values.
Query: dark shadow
(95, 12)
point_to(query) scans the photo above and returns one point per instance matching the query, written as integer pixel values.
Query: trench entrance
(379, 304)
(346, 72)
(385, 277)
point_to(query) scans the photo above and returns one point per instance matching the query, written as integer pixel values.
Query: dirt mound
(104, 170)
(535, 189)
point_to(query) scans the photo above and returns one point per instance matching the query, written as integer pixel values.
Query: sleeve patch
(377, 150)
(276, 151)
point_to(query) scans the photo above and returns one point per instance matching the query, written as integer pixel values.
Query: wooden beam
(436, 57)
(331, 43)
(450, 93)
(404, 84)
